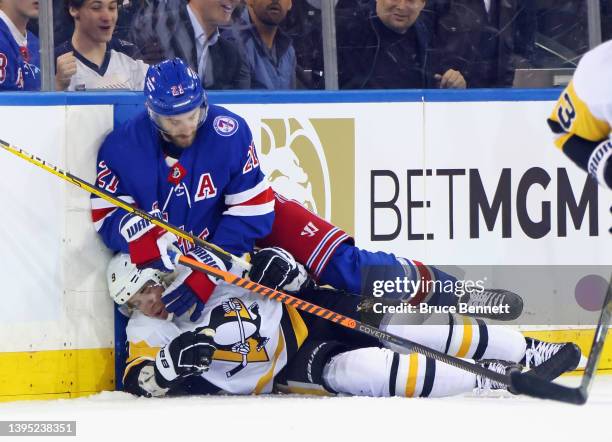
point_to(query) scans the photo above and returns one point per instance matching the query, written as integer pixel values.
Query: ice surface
(118, 417)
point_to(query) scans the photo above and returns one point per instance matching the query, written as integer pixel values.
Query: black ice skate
(549, 360)
(497, 304)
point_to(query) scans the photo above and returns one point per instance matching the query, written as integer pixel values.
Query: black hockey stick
(361, 327)
(533, 386)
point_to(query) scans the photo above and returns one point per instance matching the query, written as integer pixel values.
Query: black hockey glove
(188, 354)
(276, 268)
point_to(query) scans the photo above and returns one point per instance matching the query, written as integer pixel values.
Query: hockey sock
(379, 372)
(463, 337)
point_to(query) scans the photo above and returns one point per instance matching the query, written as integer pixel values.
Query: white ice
(118, 417)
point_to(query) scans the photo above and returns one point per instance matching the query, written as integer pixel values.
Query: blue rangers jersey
(19, 65)
(216, 190)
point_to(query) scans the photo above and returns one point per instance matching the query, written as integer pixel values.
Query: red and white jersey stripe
(258, 200)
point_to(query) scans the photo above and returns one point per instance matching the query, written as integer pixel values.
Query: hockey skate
(545, 360)
(510, 304)
(485, 385)
(550, 360)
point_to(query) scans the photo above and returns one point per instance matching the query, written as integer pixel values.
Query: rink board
(337, 152)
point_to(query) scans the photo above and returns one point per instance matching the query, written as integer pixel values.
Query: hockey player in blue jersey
(19, 48)
(190, 163)
(196, 166)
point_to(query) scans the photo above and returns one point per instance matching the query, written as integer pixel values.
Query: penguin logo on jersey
(225, 126)
(237, 336)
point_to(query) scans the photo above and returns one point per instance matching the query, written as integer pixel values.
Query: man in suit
(486, 39)
(166, 29)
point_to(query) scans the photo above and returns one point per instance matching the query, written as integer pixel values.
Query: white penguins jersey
(118, 70)
(255, 337)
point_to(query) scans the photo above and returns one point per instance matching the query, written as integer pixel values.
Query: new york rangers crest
(225, 126)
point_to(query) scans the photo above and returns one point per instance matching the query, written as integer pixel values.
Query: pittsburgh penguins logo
(237, 334)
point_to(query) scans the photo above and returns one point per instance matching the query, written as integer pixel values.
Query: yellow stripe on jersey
(265, 379)
(297, 324)
(466, 341)
(413, 371)
(574, 117)
(138, 353)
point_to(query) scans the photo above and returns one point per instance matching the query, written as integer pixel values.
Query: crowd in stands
(277, 44)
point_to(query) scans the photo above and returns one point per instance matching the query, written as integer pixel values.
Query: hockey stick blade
(520, 383)
(533, 386)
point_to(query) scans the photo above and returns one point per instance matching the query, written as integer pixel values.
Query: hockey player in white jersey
(582, 117)
(245, 344)
(92, 58)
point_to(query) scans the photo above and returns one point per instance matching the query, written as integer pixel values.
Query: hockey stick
(344, 321)
(244, 362)
(105, 195)
(230, 278)
(533, 386)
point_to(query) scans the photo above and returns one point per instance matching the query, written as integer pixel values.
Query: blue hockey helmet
(173, 88)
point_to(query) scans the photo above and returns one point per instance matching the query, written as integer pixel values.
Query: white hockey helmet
(125, 279)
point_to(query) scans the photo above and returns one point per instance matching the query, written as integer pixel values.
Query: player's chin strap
(105, 195)
(524, 383)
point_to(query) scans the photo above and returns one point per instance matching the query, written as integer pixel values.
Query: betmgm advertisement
(488, 200)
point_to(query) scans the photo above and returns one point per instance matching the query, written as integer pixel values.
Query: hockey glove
(276, 268)
(189, 354)
(191, 289)
(599, 165)
(148, 244)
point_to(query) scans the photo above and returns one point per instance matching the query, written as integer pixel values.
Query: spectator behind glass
(92, 58)
(167, 29)
(388, 49)
(303, 25)
(493, 38)
(19, 56)
(268, 50)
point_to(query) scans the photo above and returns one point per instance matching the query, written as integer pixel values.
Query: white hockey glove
(189, 354)
(276, 268)
(148, 244)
